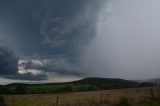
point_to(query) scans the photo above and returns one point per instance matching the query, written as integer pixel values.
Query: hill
(108, 83)
(87, 84)
(154, 80)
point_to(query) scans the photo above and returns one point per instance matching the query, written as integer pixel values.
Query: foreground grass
(136, 96)
(149, 103)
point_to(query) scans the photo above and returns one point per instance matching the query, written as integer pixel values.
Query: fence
(90, 98)
(111, 96)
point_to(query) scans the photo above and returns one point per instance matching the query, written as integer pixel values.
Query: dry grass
(91, 98)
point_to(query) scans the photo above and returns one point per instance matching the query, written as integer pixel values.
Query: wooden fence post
(151, 93)
(100, 100)
(57, 101)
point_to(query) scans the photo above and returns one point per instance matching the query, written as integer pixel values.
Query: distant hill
(87, 84)
(154, 80)
(107, 83)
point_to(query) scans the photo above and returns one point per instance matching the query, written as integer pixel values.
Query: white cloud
(22, 70)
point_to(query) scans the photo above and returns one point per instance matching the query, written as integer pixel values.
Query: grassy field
(150, 103)
(118, 97)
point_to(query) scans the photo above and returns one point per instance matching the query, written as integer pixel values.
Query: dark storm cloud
(29, 76)
(58, 66)
(63, 32)
(8, 61)
(50, 29)
(69, 25)
(9, 66)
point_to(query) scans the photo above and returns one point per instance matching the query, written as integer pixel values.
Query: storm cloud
(40, 66)
(127, 43)
(50, 27)
(48, 36)
(8, 61)
(9, 66)
(84, 38)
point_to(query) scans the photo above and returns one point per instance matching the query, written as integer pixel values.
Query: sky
(64, 40)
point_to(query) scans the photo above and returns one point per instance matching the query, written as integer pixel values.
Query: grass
(150, 103)
(116, 97)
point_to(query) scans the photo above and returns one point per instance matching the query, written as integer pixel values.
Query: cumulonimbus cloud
(9, 66)
(43, 66)
(70, 29)
(50, 28)
(8, 61)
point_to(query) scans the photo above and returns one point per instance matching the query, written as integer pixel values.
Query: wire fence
(90, 98)
(101, 98)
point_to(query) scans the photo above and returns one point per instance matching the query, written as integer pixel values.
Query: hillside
(108, 83)
(87, 84)
(154, 80)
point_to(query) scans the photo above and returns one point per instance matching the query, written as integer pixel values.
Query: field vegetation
(147, 96)
(88, 84)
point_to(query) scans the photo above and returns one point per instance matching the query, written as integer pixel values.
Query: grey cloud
(67, 27)
(58, 66)
(127, 44)
(72, 27)
(91, 37)
(51, 29)
(9, 66)
(8, 61)
(29, 76)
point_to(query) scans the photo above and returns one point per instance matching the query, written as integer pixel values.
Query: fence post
(57, 101)
(151, 93)
(100, 100)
